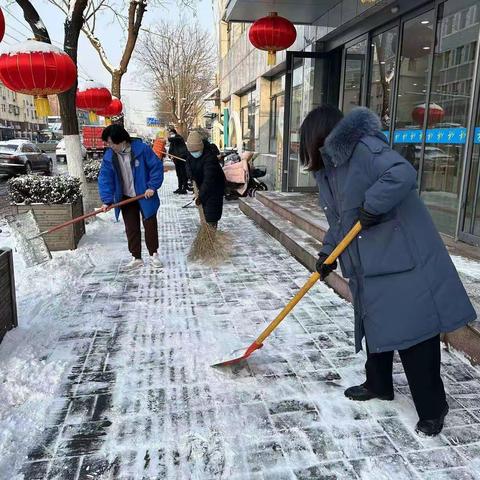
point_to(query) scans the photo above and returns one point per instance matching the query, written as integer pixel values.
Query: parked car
(61, 151)
(23, 156)
(50, 146)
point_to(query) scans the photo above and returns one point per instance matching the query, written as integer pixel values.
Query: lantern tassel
(272, 58)
(92, 117)
(108, 121)
(42, 106)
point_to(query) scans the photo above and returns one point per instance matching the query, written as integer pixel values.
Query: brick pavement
(140, 400)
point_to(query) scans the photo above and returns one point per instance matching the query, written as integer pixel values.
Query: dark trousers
(131, 214)
(181, 170)
(421, 364)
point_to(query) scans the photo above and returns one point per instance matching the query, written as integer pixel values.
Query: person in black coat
(204, 169)
(178, 148)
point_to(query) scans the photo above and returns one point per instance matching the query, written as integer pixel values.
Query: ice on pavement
(108, 374)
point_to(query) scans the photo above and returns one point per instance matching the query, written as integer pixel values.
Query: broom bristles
(210, 245)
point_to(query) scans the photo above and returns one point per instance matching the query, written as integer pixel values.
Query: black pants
(131, 214)
(181, 170)
(421, 364)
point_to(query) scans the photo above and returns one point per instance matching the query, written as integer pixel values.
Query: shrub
(50, 190)
(92, 169)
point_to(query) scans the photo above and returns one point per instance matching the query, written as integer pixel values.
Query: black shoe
(182, 192)
(431, 428)
(177, 190)
(361, 393)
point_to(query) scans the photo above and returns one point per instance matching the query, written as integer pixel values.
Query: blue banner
(152, 122)
(450, 136)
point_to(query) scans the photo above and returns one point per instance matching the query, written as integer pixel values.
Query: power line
(12, 37)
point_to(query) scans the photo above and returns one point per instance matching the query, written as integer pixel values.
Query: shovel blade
(239, 355)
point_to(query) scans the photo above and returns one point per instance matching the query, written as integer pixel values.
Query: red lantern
(272, 33)
(39, 69)
(93, 96)
(2, 25)
(113, 109)
(435, 114)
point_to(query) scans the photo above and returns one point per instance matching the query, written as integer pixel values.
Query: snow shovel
(29, 239)
(242, 354)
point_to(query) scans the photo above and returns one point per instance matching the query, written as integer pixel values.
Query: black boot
(431, 428)
(361, 393)
(182, 192)
(177, 190)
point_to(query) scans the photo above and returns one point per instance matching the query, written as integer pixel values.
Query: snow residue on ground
(140, 346)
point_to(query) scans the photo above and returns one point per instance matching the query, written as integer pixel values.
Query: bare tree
(131, 24)
(68, 111)
(179, 62)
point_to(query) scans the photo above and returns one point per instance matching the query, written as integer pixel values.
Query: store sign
(449, 136)
(153, 122)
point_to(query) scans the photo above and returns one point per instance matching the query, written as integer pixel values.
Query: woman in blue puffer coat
(405, 287)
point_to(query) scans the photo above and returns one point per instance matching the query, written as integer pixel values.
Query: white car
(61, 151)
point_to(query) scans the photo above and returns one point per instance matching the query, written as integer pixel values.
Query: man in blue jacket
(130, 168)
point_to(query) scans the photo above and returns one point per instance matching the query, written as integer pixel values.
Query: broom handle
(203, 220)
(310, 283)
(173, 156)
(88, 215)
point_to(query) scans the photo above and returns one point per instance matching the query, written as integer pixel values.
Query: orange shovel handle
(309, 284)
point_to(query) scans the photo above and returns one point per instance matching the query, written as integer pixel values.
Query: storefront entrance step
(299, 243)
(301, 209)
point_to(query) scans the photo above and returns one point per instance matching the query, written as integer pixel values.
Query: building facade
(414, 63)
(18, 118)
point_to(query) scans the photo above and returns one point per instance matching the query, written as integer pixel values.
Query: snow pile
(30, 46)
(90, 85)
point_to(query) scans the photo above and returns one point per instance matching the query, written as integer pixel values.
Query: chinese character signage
(450, 136)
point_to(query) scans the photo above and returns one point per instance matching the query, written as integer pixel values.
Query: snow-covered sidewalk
(108, 375)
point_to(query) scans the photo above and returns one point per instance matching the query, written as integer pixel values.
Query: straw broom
(210, 245)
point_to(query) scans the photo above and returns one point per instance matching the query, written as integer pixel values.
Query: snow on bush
(57, 190)
(92, 169)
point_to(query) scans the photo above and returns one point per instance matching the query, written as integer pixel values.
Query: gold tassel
(272, 58)
(92, 117)
(42, 106)
(108, 121)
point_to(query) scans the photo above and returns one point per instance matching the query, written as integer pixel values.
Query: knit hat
(194, 142)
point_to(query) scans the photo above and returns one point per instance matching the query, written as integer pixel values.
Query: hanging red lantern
(114, 108)
(39, 69)
(272, 33)
(93, 96)
(2, 25)
(435, 114)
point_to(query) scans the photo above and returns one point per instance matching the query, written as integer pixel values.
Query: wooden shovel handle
(92, 214)
(310, 283)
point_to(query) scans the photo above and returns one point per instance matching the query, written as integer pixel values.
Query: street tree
(72, 27)
(179, 64)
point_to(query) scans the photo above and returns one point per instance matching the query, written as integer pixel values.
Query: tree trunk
(117, 76)
(68, 109)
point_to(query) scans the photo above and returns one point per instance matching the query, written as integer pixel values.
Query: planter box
(93, 197)
(49, 216)
(8, 304)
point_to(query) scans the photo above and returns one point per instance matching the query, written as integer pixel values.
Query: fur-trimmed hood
(343, 139)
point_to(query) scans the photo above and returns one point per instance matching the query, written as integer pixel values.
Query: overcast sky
(139, 103)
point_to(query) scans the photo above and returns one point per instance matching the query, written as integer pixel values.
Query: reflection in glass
(354, 75)
(416, 53)
(307, 93)
(384, 48)
(248, 110)
(453, 71)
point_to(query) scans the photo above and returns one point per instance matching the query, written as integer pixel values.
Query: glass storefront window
(354, 74)
(277, 102)
(383, 68)
(248, 110)
(414, 69)
(451, 91)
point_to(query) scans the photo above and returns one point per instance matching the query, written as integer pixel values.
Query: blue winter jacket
(404, 284)
(147, 173)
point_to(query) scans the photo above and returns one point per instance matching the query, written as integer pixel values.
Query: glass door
(311, 80)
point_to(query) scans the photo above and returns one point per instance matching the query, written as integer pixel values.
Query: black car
(21, 156)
